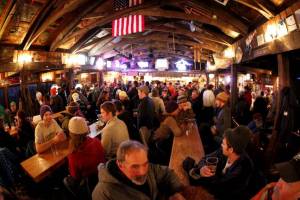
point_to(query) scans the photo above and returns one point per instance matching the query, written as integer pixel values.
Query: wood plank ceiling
(173, 27)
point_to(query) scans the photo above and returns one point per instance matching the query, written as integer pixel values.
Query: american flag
(128, 25)
(122, 4)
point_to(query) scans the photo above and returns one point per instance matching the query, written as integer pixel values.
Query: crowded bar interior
(150, 99)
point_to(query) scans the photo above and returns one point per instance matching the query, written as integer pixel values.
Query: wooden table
(42, 165)
(183, 146)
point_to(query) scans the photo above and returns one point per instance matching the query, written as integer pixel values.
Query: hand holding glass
(211, 163)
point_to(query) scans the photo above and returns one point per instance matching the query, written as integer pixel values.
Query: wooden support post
(233, 86)
(207, 78)
(100, 78)
(284, 79)
(69, 75)
(283, 71)
(216, 79)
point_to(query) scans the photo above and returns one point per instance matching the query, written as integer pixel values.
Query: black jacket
(231, 185)
(146, 113)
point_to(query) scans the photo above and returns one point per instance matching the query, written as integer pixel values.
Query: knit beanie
(75, 97)
(78, 126)
(171, 106)
(223, 96)
(73, 107)
(181, 99)
(53, 91)
(123, 94)
(44, 109)
(238, 138)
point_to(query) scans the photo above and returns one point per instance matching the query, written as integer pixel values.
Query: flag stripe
(123, 4)
(125, 26)
(134, 24)
(128, 25)
(140, 23)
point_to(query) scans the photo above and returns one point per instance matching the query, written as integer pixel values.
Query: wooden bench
(189, 144)
(42, 165)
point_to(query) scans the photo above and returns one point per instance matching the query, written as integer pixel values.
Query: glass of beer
(211, 163)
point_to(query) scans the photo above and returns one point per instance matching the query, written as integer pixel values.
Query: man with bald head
(131, 176)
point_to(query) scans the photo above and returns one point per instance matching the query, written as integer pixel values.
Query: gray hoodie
(161, 180)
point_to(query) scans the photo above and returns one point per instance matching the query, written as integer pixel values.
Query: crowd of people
(130, 165)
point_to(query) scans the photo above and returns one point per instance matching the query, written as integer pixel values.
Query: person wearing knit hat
(181, 99)
(87, 154)
(233, 167)
(163, 135)
(171, 107)
(222, 96)
(71, 110)
(185, 107)
(288, 186)
(47, 131)
(44, 109)
(238, 138)
(223, 117)
(53, 91)
(75, 97)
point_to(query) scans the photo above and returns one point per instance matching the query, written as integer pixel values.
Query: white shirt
(208, 98)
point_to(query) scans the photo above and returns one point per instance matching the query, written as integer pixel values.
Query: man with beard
(131, 176)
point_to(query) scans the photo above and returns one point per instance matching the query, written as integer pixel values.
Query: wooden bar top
(42, 165)
(189, 144)
(184, 146)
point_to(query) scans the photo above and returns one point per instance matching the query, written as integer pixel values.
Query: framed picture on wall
(297, 14)
(291, 23)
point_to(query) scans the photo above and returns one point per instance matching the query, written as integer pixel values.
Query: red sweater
(84, 161)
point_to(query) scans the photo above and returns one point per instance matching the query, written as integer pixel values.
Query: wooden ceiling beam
(108, 19)
(37, 23)
(6, 14)
(88, 36)
(95, 41)
(111, 54)
(100, 45)
(260, 9)
(60, 11)
(73, 23)
(223, 16)
(153, 46)
(220, 23)
(182, 31)
(160, 37)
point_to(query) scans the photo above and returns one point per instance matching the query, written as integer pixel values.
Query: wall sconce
(229, 53)
(210, 66)
(47, 76)
(24, 57)
(271, 32)
(74, 59)
(100, 63)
